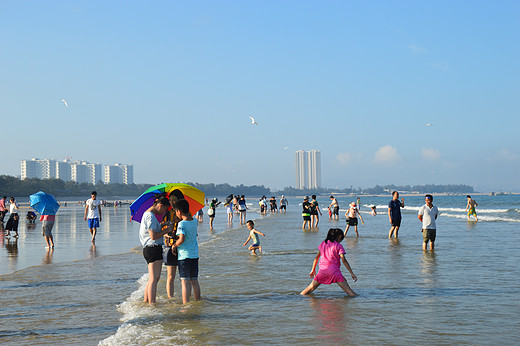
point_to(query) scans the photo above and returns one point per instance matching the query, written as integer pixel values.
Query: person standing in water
(427, 215)
(283, 204)
(331, 253)
(315, 209)
(394, 214)
(93, 214)
(335, 207)
(470, 207)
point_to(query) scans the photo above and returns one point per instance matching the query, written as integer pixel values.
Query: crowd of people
(168, 234)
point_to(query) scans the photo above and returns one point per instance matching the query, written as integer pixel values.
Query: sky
(169, 85)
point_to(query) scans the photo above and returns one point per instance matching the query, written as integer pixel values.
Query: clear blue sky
(169, 86)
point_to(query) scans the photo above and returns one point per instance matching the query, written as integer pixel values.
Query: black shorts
(335, 211)
(282, 207)
(189, 269)
(352, 221)
(169, 258)
(306, 218)
(152, 253)
(396, 222)
(262, 208)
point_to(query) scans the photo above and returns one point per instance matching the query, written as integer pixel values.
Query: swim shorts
(306, 217)
(47, 227)
(189, 269)
(152, 253)
(429, 235)
(472, 211)
(256, 245)
(352, 221)
(396, 222)
(93, 223)
(282, 207)
(335, 211)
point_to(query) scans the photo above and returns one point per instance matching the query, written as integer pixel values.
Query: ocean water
(463, 293)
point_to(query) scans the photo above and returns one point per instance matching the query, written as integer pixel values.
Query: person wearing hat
(352, 214)
(306, 213)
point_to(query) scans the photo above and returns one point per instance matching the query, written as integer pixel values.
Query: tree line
(12, 186)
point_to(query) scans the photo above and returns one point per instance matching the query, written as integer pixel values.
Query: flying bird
(285, 148)
(66, 104)
(429, 124)
(253, 122)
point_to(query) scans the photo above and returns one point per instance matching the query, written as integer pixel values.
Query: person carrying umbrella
(47, 206)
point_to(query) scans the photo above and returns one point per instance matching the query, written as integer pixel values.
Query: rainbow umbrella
(194, 196)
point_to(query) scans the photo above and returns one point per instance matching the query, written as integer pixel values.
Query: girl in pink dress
(331, 253)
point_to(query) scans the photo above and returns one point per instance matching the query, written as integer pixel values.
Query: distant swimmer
(470, 207)
(253, 122)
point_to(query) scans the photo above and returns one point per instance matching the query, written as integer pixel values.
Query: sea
(464, 293)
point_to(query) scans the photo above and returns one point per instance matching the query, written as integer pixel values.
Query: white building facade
(308, 169)
(36, 168)
(119, 174)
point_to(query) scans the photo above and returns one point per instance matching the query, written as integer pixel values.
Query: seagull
(429, 124)
(64, 101)
(285, 148)
(253, 122)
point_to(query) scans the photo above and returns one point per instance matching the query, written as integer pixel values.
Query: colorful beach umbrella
(44, 203)
(194, 196)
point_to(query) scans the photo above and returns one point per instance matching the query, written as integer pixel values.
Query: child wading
(331, 252)
(253, 235)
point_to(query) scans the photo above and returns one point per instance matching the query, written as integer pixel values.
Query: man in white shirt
(427, 215)
(93, 213)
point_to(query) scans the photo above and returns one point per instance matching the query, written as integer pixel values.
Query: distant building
(308, 169)
(63, 170)
(119, 174)
(36, 168)
(77, 171)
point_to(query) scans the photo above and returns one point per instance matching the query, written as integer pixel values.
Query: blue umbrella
(44, 203)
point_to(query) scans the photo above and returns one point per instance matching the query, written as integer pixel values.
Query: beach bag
(211, 212)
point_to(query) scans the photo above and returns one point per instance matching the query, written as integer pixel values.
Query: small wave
(484, 218)
(140, 326)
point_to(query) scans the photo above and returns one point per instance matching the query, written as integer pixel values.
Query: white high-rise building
(36, 168)
(63, 170)
(84, 172)
(119, 174)
(308, 169)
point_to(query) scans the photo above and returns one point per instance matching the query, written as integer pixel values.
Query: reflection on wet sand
(331, 320)
(47, 257)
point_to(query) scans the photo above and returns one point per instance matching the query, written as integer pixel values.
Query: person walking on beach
(470, 208)
(212, 211)
(427, 215)
(93, 214)
(283, 204)
(335, 208)
(394, 214)
(306, 213)
(253, 235)
(151, 238)
(315, 209)
(242, 208)
(188, 251)
(331, 253)
(12, 222)
(352, 214)
(47, 225)
(3, 209)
